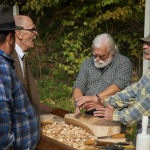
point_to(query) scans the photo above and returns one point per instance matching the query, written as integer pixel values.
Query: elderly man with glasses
(137, 95)
(102, 75)
(24, 41)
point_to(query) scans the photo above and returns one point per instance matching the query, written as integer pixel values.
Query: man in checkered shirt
(103, 75)
(137, 95)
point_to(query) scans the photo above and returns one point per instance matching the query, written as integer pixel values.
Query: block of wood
(92, 125)
(50, 118)
(46, 118)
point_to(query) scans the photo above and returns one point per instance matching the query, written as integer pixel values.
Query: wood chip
(68, 134)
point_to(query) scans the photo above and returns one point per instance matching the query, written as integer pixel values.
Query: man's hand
(92, 104)
(106, 113)
(77, 110)
(82, 100)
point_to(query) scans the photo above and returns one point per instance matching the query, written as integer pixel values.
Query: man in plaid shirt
(103, 75)
(137, 95)
(19, 125)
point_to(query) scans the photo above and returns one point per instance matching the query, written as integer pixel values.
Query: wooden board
(115, 140)
(92, 125)
(47, 118)
(50, 118)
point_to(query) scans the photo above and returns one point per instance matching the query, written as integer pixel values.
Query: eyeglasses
(31, 30)
(100, 56)
(147, 43)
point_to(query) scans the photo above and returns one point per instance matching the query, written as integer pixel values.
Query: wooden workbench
(47, 143)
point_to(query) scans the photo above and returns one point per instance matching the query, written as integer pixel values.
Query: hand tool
(122, 135)
(112, 147)
(75, 104)
(101, 143)
(89, 142)
(129, 146)
(98, 143)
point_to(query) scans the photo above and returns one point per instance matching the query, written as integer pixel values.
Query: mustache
(146, 52)
(99, 61)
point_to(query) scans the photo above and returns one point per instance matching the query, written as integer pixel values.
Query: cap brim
(11, 29)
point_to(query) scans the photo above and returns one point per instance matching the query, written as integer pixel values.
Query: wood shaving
(68, 134)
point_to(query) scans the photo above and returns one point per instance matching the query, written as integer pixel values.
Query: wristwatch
(97, 96)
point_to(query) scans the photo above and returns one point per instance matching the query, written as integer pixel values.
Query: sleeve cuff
(116, 116)
(106, 101)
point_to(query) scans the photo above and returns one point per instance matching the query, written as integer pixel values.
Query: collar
(19, 50)
(6, 56)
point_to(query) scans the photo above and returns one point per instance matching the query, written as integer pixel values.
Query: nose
(145, 46)
(35, 32)
(97, 58)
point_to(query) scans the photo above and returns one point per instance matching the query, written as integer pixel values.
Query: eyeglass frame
(31, 30)
(100, 56)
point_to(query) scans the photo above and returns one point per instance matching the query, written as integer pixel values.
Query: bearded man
(102, 75)
(137, 95)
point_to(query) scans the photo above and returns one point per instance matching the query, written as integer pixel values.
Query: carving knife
(122, 135)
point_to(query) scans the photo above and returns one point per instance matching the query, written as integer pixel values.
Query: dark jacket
(35, 98)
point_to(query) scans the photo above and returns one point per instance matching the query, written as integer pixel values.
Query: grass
(60, 96)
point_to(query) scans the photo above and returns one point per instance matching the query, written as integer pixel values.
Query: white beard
(101, 63)
(145, 52)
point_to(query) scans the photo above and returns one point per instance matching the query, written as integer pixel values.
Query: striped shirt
(19, 125)
(92, 80)
(138, 95)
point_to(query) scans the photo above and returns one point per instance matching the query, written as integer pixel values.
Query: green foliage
(131, 132)
(67, 29)
(56, 94)
(53, 88)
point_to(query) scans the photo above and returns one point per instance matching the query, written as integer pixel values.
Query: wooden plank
(92, 125)
(47, 143)
(50, 119)
(113, 140)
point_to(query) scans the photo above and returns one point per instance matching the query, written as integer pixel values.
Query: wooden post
(15, 10)
(146, 63)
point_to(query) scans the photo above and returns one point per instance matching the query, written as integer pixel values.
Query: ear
(19, 35)
(10, 39)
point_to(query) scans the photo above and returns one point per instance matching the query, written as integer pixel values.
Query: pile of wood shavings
(68, 134)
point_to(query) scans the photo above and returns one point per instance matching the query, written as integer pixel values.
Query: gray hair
(106, 38)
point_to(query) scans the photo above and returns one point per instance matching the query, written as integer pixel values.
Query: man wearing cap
(137, 95)
(24, 41)
(19, 124)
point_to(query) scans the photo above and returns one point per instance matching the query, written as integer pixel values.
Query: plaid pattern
(19, 125)
(92, 80)
(138, 95)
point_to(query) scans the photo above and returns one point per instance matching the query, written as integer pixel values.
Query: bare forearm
(110, 91)
(77, 93)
